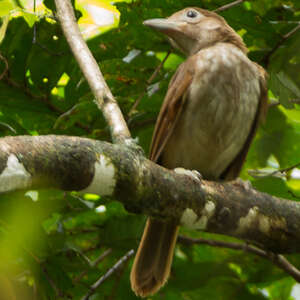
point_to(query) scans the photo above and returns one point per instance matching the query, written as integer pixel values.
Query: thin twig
(276, 173)
(117, 281)
(5, 68)
(149, 81)
(66, 114)
(48, 50)
(91, 71)
(34, 39)
(285, 170)
(141, 123)
(277, 259)
(8, 127)
(229, 5)
(276, 103)
(266, 58)
(94, 264)
(294, 30)
(115, 267)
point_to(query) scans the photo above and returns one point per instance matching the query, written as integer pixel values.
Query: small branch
(5, 66)
(149, 81)
(294, 30)
(229, 5)
(65, 115)
(91, 71)
(278, 260)
(140, 123)
(276, 103)
(8, 127)
(94, 264)
(117, 281)
(266, 60)
(96, 285)
(277, 173)
(285, 170)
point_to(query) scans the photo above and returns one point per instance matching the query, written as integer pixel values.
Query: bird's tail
(152, 264)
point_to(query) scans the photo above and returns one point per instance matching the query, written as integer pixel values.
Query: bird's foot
(192, 173)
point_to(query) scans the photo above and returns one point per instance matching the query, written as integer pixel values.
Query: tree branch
(91, 71)
(5, 66)
(278, 260)
(229, 5)
(277, 173)
(115, 267)
(276, 103)
(93, 264)
(266, 59)
(121, 172)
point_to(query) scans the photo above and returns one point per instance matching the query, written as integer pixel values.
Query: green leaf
(6, 6)
(30, 18)
(281, 289)
(277, 137)
(279, 85)
(50, 225)
(288, 83)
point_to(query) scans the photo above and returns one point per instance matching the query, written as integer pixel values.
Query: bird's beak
(164, 25)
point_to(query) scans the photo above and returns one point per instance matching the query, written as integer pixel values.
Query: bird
(210, 114)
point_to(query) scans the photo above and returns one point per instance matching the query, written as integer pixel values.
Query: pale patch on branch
(191, 220)
(14, 176)
(104, 181)
(264, 223)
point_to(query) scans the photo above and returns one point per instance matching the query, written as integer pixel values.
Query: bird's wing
(171, 108)
(235, 167)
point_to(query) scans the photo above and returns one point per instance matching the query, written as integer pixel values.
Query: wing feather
(171, 108)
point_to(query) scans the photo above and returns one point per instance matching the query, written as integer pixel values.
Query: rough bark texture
(68, 163)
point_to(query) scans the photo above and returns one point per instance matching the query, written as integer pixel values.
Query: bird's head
(192, 29)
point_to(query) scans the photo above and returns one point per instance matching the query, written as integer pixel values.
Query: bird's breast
(218, 115)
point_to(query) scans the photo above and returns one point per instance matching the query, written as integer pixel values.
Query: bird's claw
(192, 173)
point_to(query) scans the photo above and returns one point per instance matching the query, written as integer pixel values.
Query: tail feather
(152, 264)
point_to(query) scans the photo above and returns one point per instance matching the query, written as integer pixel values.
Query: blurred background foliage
(54, 245)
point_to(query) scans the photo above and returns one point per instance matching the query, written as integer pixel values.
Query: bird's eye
(191, 14)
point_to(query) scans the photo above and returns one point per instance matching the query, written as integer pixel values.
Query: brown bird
(207, 121)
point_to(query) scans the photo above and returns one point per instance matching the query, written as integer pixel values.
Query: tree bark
(123, 173)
